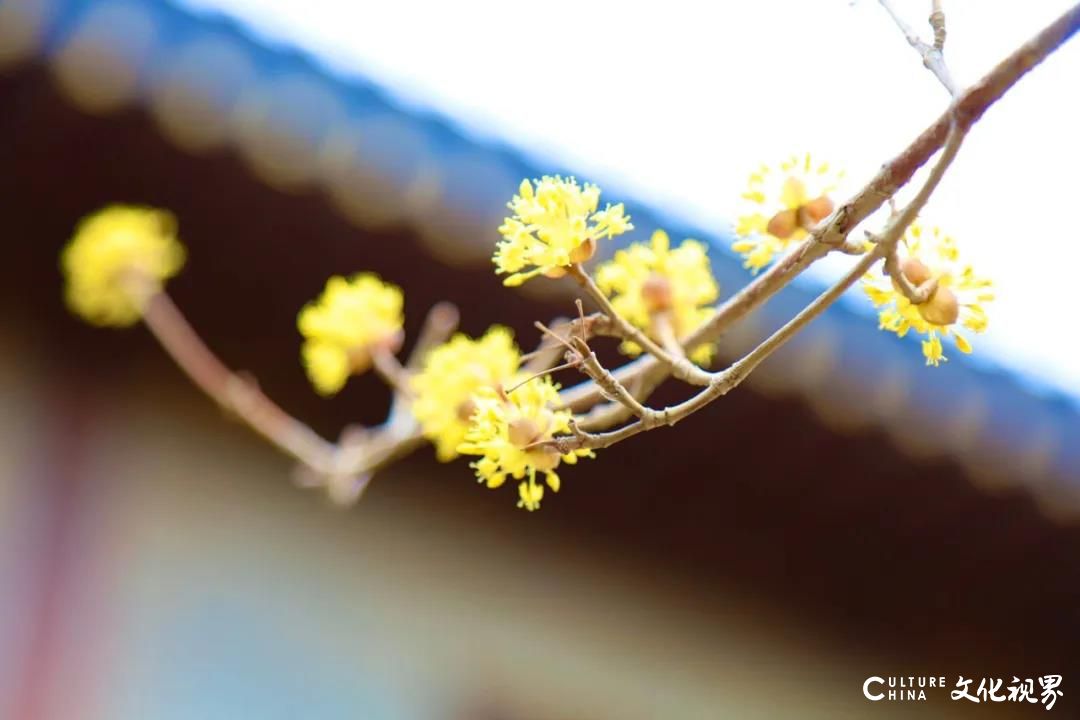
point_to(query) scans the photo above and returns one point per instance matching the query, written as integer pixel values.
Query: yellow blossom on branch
(957, 301)
(555, 224)
(350, 319)
(451, 374)
(781, 206)
(117, 259)
(506, 431)
(655, 287)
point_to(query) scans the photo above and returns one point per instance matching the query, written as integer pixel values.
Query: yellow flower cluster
(554, 225)
(117, 259)
(653, 284)
(957, 301)
(451, 374)
(349, 320)
(506, 431)
(782, 207)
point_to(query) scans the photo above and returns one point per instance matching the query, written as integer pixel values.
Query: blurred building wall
(157, 564)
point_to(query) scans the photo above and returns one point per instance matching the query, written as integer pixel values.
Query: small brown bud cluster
(784, 223)
(942, 307)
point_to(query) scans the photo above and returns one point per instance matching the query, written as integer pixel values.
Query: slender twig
(399, 434)
(548, 352)
(391, 371)
(664, 330)
(339, 465)
(680, 367)
(937, 23)
(605, 415)
(440, 323)
(932, 56)
(900, 221)
(232, 391)
(591, 366)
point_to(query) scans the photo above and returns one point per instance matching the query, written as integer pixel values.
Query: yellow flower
(451, 374)
(504, 431)
(553, 226)
(341, 328)
(650, 284)
(782, 206)
(117, 259)
(957, 301)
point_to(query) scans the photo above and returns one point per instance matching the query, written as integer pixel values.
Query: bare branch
(344, 467)
(611, 387)
(232, 391)
(440, 323)
(680, 367)
(937, 23)
(391, 372)
(665, 332)
(932, 57)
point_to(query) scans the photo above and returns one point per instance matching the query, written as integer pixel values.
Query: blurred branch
(344, 466)
(232, 391)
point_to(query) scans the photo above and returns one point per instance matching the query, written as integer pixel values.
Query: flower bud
(583, 252)
(657, 293)
(545, 458)
(783, 224)
(466, 410)
(814, 212)
(522, 432)
(942, 308)
(915, 271)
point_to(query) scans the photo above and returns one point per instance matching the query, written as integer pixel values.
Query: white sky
(677, 101)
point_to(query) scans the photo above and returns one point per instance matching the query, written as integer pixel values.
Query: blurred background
(847, 513)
